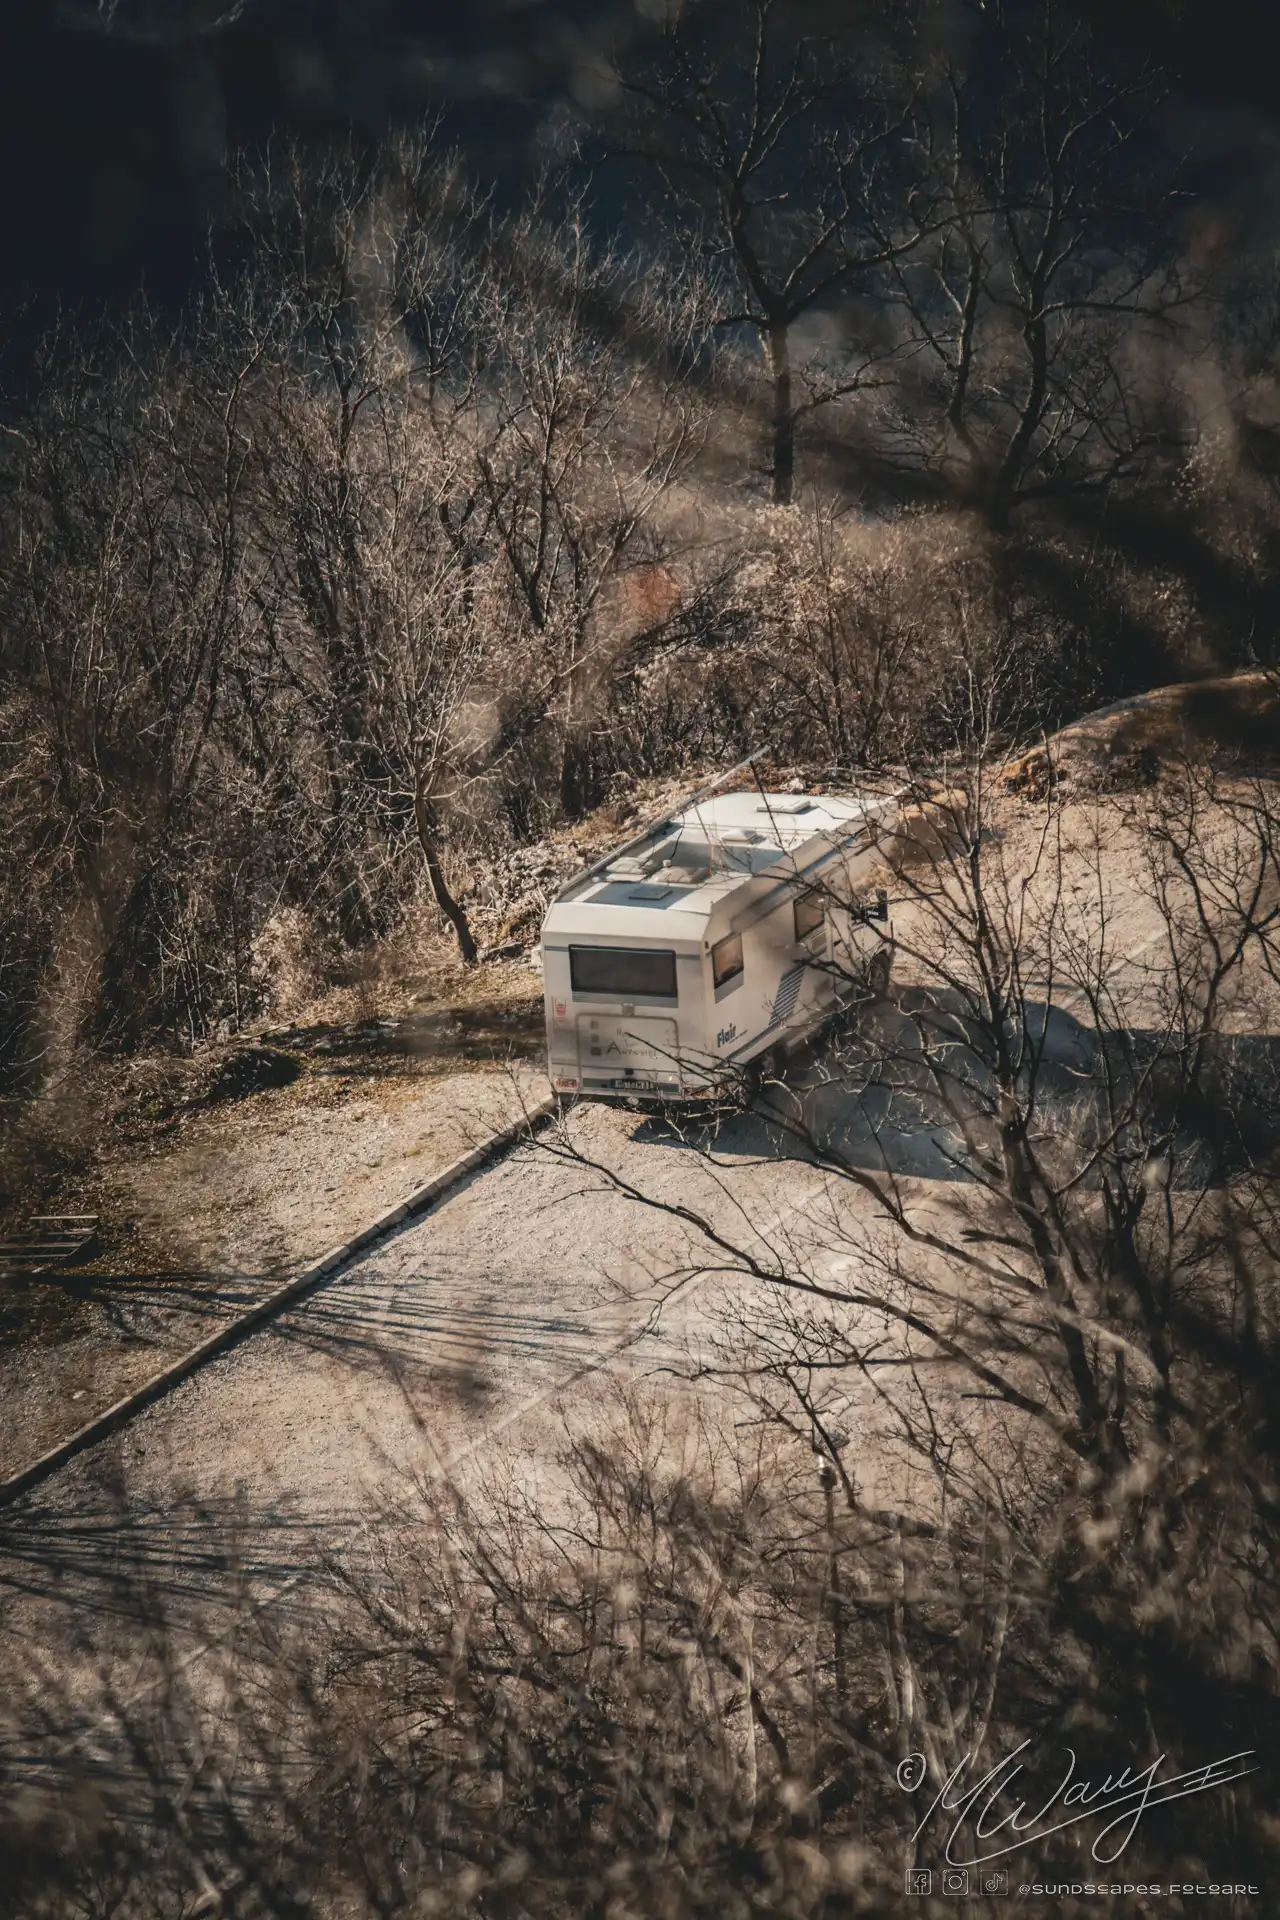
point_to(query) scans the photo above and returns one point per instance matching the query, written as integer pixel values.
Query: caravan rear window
(628, 973)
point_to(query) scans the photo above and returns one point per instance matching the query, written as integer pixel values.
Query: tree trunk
(576, 792)
(1004, 494)
(784, 420)
(429, 841)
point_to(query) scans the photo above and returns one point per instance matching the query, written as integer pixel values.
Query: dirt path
(518, 1311)
(223, 1195)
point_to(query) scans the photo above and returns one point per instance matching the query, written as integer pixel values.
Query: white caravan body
(732, 929)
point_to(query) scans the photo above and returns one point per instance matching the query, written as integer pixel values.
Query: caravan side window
(726, 959)
(810, 913)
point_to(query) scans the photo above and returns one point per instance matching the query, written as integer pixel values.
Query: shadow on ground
(897, 1094)
(108, 1551)
(63, 1303)
(477, 1032)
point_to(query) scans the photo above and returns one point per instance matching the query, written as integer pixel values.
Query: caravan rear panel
(702, 946)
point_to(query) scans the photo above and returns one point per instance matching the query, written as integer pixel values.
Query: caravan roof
(683, 867)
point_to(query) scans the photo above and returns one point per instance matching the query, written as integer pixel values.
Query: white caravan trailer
(714, 941)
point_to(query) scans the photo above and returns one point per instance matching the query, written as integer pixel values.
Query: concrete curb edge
(118, 1415)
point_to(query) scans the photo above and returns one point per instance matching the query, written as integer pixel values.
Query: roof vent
(639, 864)
(801, 804)
(650, 893)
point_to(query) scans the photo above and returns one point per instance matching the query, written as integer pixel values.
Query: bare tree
(785, 148)
(371, 351)
(126, 590)
(578, 451)
(1037, 313)
(1069, 1323)
(663, 1689)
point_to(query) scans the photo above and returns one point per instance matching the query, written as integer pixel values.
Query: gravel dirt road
(203, 1221)
(524, 1303)
(524, 1300)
